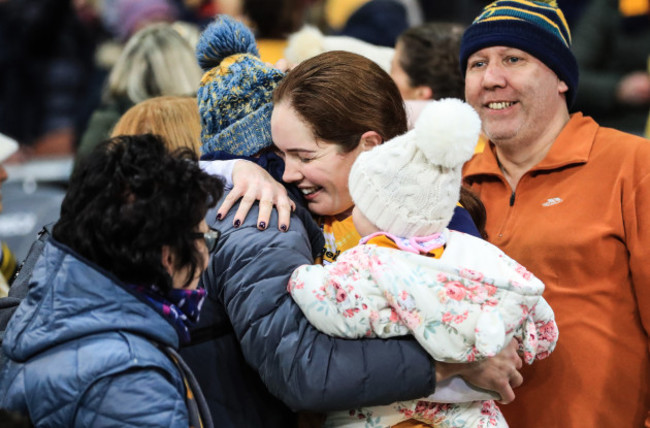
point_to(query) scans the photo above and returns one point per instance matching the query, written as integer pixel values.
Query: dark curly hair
(430, 57)
(128, 199)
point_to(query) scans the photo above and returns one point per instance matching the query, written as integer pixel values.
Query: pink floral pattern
(476, 414)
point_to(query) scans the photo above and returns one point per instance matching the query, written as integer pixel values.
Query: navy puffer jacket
(308, 370)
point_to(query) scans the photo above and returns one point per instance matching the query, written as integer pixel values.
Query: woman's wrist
(448, 370)
(223, 168)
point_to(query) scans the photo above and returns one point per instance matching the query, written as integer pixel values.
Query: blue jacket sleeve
(462, 222)
(306, 369)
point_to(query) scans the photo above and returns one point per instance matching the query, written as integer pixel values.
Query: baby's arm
(342, 300)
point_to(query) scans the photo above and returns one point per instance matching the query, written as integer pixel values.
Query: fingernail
(219, 216)
(283, 227)
(262, 225)
(237, 223)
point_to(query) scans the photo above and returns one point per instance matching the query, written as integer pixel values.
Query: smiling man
(571, 201)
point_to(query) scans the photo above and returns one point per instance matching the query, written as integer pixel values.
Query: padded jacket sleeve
(306, 369)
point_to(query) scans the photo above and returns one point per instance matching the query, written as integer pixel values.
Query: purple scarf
(181, 307)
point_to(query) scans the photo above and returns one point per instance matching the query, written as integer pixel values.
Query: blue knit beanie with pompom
(236, 90)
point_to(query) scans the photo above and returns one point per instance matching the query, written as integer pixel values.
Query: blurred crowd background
(70, 68)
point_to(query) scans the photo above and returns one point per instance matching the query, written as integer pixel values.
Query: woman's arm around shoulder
(306, 369)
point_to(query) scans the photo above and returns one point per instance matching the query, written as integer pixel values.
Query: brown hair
(175, 118)
(430, 57)
(341, 95)
(473, 204)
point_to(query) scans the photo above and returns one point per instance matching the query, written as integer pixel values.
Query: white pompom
(447, 131)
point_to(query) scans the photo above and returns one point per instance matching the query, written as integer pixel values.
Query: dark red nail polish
(218, 216)
(283, 227)
(262, 225)
(237, 223)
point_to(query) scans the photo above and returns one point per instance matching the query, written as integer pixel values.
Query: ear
(369, 140)
(562, 87)
(423, 92)
(168, 259)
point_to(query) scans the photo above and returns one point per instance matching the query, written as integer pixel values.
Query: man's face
(515, 94)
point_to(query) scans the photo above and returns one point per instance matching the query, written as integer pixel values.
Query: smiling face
(518, 98)
(318, 168)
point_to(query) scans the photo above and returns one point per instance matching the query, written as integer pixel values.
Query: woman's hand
(252, 183)
(499, 373)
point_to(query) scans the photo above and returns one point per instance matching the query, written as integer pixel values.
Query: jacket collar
(572, 147)
(69, 298)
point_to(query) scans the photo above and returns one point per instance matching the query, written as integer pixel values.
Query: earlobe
(563, 88)
(167, 259)
(369, 140)
(424, 93)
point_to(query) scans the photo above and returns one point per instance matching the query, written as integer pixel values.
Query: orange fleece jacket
(580, 221)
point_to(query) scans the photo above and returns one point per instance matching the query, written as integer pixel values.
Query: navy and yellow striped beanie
(536, 27)
(236, 90)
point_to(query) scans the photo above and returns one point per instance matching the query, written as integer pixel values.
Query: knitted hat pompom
(222, 38)
(446, 132)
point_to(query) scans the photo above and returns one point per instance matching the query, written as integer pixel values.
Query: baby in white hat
(461, 297)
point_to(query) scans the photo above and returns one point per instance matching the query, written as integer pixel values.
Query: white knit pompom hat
(309, 42)
(410, 185)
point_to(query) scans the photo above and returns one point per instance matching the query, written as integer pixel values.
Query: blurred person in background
(8, 147)
(272, 21)
(379, 22)
(425, 65)
(46, 56)
(612, 45)
(176, 118)
(124, 18)
(156, 61)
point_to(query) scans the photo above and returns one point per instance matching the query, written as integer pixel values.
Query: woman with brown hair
(327, 111)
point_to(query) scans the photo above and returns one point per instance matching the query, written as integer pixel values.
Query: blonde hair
(156, 61)
(175, 118)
